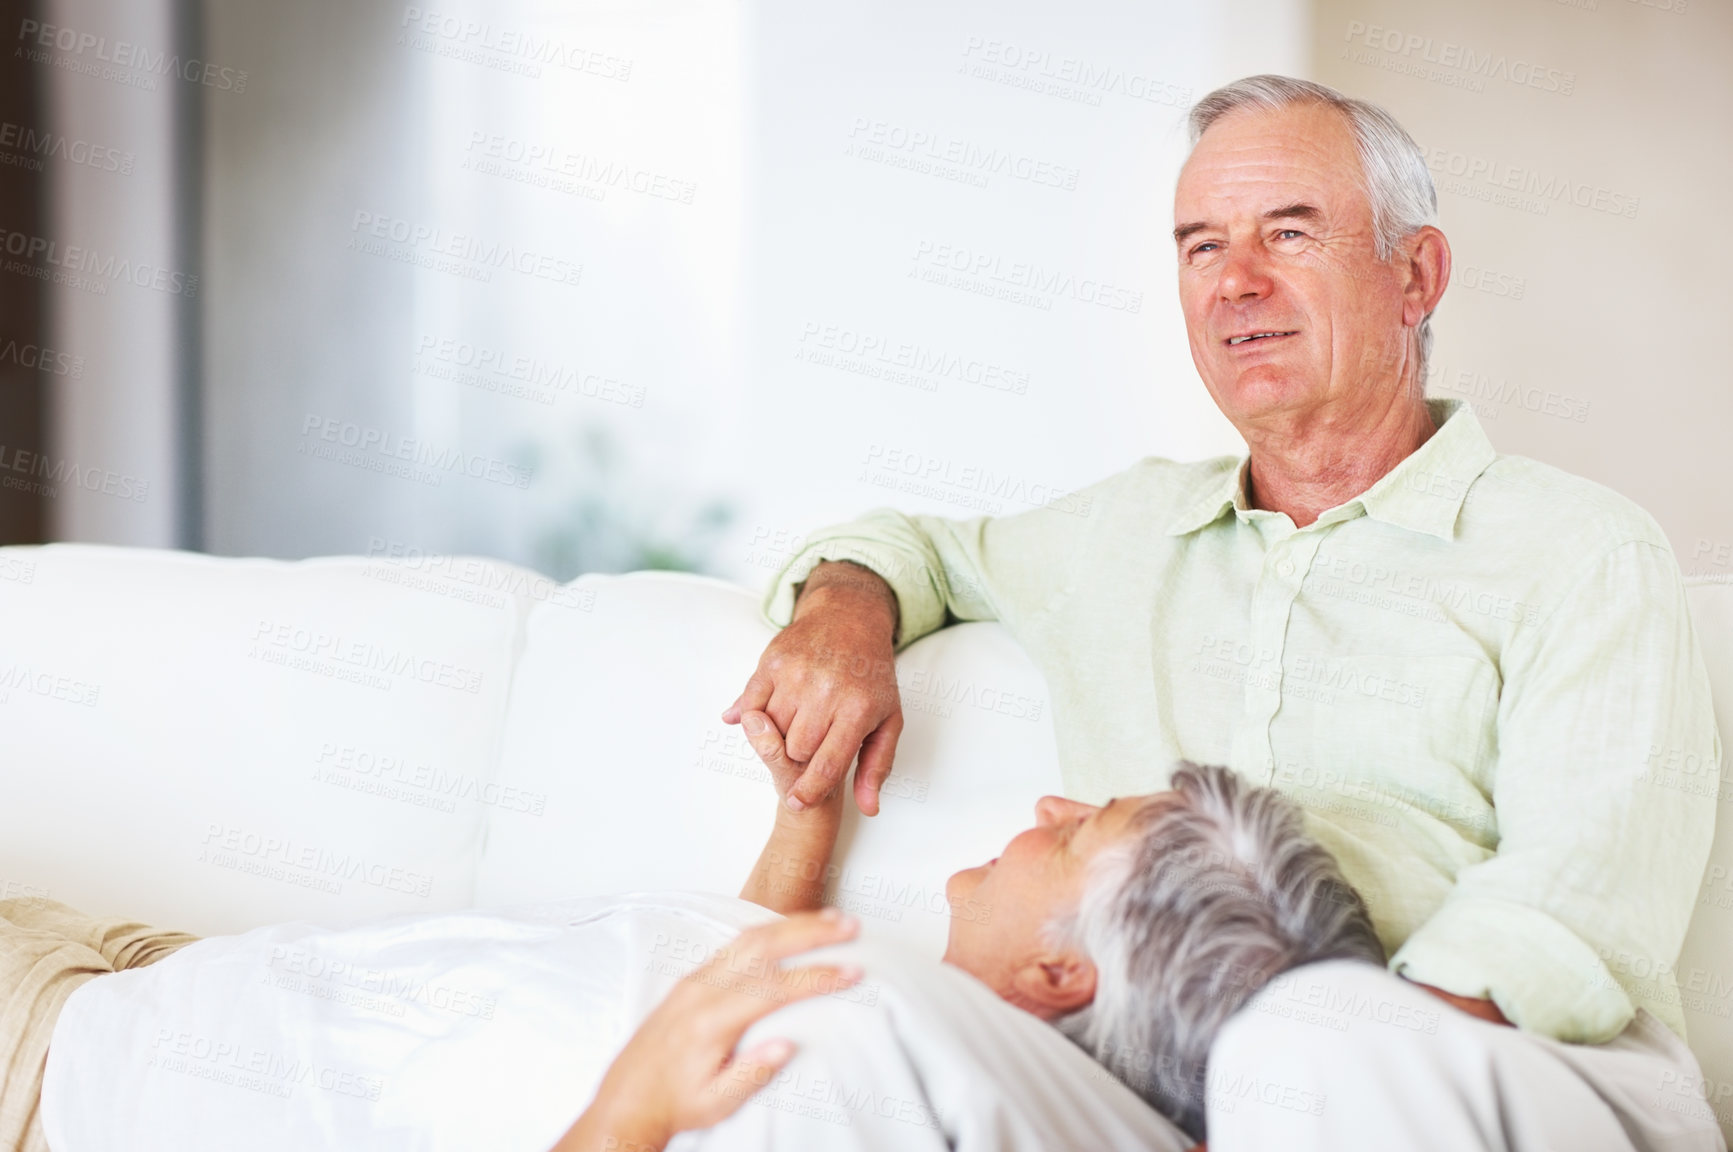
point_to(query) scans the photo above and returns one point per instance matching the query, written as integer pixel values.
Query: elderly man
(1460, 664)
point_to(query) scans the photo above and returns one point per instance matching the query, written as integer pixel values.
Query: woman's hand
(679, 1071)
(794, 867)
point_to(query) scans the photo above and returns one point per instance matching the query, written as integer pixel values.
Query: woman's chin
(960, 884)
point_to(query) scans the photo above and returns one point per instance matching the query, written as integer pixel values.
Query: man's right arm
(828, 681)
(858, 593)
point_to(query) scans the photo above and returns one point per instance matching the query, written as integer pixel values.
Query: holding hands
(828, 684)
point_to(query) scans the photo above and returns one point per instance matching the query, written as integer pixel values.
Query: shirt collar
(1423, 493)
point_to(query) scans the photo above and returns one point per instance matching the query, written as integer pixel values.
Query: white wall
(907, 163)
(1610, 363)
(700, 422)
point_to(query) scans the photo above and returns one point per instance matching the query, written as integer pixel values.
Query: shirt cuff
(1542, 976)
(920, 607)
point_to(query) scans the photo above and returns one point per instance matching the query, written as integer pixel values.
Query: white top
(295, 1037)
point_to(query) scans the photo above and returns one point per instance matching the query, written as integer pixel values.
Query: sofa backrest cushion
(615, 732)
(213, 744)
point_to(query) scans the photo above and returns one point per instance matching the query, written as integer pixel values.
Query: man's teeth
(1255, 336)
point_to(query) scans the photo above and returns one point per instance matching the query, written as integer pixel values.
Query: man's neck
(1309, 464)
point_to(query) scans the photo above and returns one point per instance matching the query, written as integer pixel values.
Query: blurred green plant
(612, 521)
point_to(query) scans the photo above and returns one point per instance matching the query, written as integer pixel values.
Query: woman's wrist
(613, 1124)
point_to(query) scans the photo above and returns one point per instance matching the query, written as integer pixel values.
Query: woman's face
(999, 909)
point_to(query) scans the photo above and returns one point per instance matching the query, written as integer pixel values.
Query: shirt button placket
(1293, 560)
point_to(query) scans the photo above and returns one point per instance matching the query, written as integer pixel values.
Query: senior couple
(1429, 677)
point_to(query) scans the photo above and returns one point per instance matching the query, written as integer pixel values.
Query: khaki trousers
(47, 952)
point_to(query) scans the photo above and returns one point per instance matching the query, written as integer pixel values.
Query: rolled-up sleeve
(1581, 914)
(944, 570)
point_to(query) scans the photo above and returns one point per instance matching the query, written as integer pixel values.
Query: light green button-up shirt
(1471, 677)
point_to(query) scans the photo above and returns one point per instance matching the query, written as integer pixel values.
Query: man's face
(1274, 235)
(1000, 909)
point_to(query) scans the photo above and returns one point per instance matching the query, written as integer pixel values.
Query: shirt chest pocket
(1375, 737)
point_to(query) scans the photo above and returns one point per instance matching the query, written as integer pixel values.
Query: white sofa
(215, 744)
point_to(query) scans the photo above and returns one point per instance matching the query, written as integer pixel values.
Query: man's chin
(1260, 389)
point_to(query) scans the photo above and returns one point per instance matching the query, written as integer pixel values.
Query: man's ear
(1054, 984)
(1428, 255)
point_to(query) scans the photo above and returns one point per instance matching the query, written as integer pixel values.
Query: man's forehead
(1257, 161)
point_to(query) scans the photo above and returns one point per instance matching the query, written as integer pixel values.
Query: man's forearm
(843, 582)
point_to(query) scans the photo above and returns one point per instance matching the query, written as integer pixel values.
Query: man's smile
(1251, 337)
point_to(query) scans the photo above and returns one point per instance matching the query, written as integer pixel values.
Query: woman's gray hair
(1392, 166)
(1213, 891)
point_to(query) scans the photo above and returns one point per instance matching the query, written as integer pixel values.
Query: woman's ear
(1055, 984)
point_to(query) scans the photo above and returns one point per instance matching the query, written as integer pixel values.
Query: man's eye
(1287, 232)
(1204, 247)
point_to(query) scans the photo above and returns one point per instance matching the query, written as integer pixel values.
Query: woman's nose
(1055, 809)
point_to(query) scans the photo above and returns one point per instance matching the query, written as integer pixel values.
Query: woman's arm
(792, 870)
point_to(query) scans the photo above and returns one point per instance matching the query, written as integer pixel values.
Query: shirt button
(1285, 568)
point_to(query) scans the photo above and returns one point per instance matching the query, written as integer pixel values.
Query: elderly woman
(1136, 928)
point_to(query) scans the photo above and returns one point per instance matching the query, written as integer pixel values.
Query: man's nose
(1244, 276)
(1057, 809)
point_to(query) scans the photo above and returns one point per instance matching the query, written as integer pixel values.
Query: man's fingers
(755, 695)
(876, 753)
(805, 736)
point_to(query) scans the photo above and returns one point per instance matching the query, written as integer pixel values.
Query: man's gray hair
(1214, 890)
(1392, 166)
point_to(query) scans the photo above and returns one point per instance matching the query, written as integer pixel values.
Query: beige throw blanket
(47, 951)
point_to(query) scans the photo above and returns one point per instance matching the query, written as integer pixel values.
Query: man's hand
(679, 1071)
(1479, 1009)
(828, 682)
